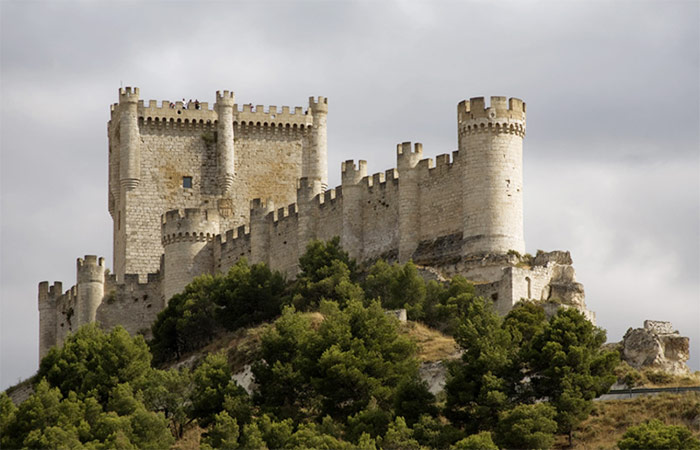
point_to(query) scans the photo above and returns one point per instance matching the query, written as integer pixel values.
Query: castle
(193, 189)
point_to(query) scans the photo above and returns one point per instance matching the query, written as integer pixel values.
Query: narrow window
(187, 182)
(529, 287)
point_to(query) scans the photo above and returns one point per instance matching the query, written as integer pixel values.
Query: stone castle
(193, 189)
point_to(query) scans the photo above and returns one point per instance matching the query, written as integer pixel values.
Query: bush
(655, 435)
(658, 376)
(481, 441)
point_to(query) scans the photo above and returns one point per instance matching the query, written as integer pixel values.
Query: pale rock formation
(656, 346)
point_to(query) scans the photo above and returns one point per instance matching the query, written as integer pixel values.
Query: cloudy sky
(612, 163)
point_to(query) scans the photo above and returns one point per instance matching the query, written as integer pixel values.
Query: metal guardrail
(676, 390)
(621, 394)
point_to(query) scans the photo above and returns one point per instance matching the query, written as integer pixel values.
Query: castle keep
(193, 189)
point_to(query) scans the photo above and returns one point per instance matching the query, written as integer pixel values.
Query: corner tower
(491, 145)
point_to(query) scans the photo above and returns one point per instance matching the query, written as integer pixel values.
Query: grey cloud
(612, 93)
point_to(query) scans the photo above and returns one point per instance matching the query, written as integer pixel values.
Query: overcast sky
(611, 158)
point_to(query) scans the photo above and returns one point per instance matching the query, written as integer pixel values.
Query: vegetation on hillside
(332, 370)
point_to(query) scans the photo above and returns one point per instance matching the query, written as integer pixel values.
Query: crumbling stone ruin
(656, 346)
(193, 189)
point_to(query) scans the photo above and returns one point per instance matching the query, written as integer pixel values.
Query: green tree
(527, 426)
(263, 431)
(399, 437)
(7, 415)
(223, 434)
(311, 436)
(245, 295)
(523, 323)
(356, 355)
(654, 434)
(47, 419)
(214, 391)
(249, 295)
(570, 368)
(396, 286)
(444, 303)
(169, 391)
(431, 432)
(475, 387)
(372, 421)
(480, 441)
(92, 362)
(412, 400)
(326, 272)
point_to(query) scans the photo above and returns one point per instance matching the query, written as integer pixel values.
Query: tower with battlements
(194, 189)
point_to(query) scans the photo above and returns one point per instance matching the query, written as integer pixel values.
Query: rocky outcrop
(656, 346)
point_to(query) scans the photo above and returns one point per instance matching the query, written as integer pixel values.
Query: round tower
(129, 139)
(315, 161)
(224, 145)
(91, 288)
(491, 148)
(186, 243)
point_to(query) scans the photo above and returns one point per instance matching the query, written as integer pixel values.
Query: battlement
(48, 294)
(329, 197)
(199, 113)
(128, 95)
(90, 269)
(192, 224)
(225, 98)
(272, 116)
(352, 173)
(320, 105)
(502, 116)
(90, 261)
(260, 208)
(407, 156)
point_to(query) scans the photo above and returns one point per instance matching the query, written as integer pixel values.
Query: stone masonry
(192, 190)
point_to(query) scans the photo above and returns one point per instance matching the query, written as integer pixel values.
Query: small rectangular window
(187, 182)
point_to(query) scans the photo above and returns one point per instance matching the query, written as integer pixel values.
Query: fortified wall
(192, 191)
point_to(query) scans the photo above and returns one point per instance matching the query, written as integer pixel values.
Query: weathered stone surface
(433, 373)
(656, 346)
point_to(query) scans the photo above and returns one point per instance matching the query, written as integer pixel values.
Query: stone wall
(459, 215)
(270, 150)
(131, 304)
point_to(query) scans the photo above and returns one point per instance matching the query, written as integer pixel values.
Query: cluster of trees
(348, 381)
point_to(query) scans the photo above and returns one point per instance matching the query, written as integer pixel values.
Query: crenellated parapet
(128, 95)
(190, 225)
(502, 116)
